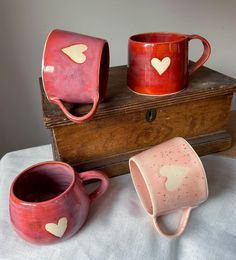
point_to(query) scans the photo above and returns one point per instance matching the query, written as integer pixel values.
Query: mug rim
(183, 37)
(154, 209)
(42, 60)
(16, 199)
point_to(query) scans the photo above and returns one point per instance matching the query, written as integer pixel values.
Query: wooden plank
(117, 166)
(231, 129)
(205, 83)
(117, 135)
(224, 141)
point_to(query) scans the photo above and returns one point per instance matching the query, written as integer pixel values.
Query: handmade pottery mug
(158, 62)
(75, 70)
(169, 177)
(48, 201)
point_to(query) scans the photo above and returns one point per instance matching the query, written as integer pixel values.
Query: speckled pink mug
(169, 177)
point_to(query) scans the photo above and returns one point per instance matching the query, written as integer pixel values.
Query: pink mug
(168, 177)
(75, 70)
(48, 201)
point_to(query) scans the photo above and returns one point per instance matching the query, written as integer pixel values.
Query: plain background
(24, 25)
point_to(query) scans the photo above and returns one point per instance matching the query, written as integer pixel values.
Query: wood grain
(120, 134)
(118, 165)
(231, 129)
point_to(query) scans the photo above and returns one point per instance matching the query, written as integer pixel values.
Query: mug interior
(140, 186)
(157, 37)
(103, 72)
(43, 182)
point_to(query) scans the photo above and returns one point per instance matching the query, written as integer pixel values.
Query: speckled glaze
(75, 70)
(158, 62)
(168, 177)
(48, 201)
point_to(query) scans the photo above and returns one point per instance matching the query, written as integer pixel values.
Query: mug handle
(77, 119)
(205, 55)
(95, 174)
(181, 227)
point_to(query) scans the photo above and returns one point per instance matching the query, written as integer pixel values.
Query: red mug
(48, 201)
(158, 62)
(75, 70)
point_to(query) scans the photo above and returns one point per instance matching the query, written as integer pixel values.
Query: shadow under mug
(48, 201)
(158, 62)
(75, 70)
(168, 177)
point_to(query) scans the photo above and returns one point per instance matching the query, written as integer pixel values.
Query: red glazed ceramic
(75, 70)
(168, 177)
(158, 62)
(48, 201)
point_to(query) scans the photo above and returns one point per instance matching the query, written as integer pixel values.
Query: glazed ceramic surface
(168, 177)
(48, 201)
(158, 62)
(75, 70)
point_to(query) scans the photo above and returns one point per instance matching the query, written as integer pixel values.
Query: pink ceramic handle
(77, 119)
(89, 175)
(205, 55)
(180, 229)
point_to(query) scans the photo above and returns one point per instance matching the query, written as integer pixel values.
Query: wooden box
(126, 123)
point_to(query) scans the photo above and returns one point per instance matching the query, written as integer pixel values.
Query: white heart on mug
(175, 175)
(75, 52)
(161, 65)
(58, 229)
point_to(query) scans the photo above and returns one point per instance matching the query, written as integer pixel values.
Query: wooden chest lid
(119, 99)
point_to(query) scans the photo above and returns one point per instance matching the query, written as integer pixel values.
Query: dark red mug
(158, 62)
(48, 201)
(75, 70)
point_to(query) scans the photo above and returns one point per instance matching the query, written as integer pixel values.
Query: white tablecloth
(118, 227)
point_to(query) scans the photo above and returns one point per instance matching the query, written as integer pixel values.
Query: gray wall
(24, 25)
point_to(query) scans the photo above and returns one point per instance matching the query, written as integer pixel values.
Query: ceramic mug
(158, 62)
(48, 201)
(75, 70)
(169, 177)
